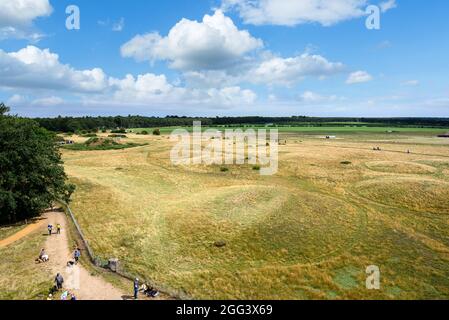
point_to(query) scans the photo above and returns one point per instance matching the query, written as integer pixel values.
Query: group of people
(59, 279)
(66, 294)
(50, 229)
(76, 257)
(146, 289)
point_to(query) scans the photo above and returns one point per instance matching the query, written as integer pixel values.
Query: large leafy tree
(31, 171)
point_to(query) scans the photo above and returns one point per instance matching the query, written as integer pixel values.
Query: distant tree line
(72, 124)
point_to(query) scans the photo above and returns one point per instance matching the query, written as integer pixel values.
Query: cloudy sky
(225, 57)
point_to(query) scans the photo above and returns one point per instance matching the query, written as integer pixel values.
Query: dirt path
(88, 287)
(22, 233)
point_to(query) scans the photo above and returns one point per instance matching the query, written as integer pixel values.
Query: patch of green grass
(347, 278)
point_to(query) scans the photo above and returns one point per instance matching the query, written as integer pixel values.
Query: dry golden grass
(7, 231)
(309, 232)
(21, 278)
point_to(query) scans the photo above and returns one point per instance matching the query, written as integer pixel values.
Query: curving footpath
(88, 287)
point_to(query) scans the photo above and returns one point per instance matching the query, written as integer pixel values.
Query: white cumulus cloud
(286, 71)
(359, 77)
(214, 43)
(17, 16)
(38, 71)
(312, 97)
(296, 12)
(387, 5)
(48, 101)
(36, 68)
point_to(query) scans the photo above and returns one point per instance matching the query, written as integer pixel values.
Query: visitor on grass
(59, 281)
(41, 254)
(43, 257)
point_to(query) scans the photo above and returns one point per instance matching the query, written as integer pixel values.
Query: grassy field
(21, 278)
(309, 232)
(326, 130)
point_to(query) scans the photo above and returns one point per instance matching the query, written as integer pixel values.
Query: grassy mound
(296, 235)
(400, 167)
(424, 195)
(101, 144)
(263, 227)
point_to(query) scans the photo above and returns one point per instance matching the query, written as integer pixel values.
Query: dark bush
(117, 136)
(119, 131)
(157, 132)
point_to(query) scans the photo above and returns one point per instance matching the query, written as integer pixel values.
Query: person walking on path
(59, 281)
(50, 229)
(77, 254)
(58, 229)
(136, 288)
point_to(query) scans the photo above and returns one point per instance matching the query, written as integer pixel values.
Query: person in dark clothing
(136, 288)
(59, 281)
(50, 229)
(77, 254)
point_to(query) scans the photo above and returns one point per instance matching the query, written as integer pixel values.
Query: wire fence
(104, 263)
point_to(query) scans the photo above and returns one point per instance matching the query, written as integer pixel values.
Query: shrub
(224, 169)
(117, 136)
(119, 131)
(157, 132)
(346, 162)
(256, 167)
(144, 132)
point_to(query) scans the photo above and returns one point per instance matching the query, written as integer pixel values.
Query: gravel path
(76, 279)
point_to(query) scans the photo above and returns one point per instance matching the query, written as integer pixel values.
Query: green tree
(31, 172)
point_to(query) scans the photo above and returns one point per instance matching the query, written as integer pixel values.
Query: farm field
(309, 232)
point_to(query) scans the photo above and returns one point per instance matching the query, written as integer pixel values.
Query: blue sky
(225, 57)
